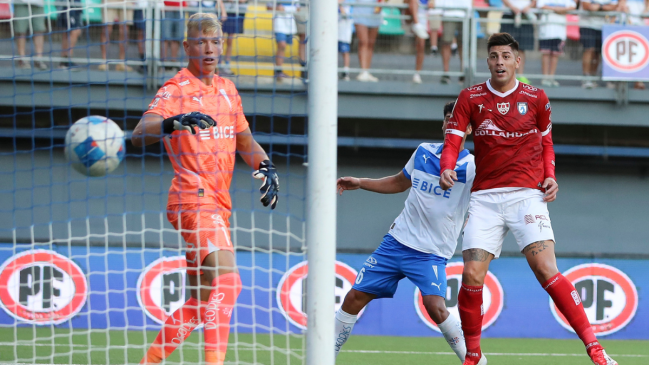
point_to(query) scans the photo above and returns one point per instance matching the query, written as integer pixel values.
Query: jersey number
(359, 278)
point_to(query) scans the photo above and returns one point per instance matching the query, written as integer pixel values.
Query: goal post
(321, 181)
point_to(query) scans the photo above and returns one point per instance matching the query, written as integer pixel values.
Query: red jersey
(203, 162)
(511, 132)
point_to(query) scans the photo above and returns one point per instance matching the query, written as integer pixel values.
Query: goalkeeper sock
(567, 299)
(343, 328)
(452, 331)
(471, 313)
(216, 313)
(176, 329)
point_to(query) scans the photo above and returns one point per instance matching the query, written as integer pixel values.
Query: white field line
(486, 353)
(246, 348)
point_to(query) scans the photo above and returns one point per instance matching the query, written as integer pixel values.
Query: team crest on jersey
(522, 108)
(291, 290)
(503, 108)
(492, 295)
(608, 295)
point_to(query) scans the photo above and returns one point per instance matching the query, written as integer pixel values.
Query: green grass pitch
(47, 346)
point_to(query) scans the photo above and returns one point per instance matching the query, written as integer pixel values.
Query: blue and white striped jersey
(433, 218)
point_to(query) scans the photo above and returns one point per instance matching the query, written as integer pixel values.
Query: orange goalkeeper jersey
(203, 163)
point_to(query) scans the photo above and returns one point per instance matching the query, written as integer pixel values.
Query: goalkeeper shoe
(599, 356)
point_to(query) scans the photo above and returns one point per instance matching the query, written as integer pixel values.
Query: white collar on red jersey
(498, 93)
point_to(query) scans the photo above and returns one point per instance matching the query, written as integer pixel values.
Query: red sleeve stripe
(547, 130)
(458, 133)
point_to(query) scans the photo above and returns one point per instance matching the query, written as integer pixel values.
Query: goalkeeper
(199, 117)
(419, 242)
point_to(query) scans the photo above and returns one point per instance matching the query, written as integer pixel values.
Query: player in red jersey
(514, 182)
(199, 116)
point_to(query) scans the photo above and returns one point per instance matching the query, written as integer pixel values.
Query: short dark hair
(502, 39)
(448, 108)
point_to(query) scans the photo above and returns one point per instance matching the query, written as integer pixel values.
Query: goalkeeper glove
(186, 122)
(270, 186)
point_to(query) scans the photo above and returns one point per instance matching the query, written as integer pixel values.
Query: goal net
(91, 267)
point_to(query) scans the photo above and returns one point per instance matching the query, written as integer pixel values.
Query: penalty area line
(531, 354)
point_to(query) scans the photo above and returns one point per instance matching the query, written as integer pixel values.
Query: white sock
(343, 329)
(452, 331)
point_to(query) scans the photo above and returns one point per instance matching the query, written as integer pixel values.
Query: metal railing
(393, 56)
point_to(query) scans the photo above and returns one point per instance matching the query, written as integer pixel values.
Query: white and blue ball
(94, 145)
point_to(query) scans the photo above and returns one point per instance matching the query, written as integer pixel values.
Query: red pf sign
(626, 53)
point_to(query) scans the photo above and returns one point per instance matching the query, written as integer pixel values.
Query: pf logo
(161, 287)
(626, 51)
(492, 296)
(609, 297)
(42, 287)
(292, 289)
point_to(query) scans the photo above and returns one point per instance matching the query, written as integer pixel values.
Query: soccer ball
(94, 145)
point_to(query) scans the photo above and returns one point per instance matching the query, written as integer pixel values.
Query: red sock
(216, 314)
(176, 329)
(567, 299)
(471, 312)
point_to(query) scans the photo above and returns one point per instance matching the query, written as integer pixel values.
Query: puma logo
(199, 100)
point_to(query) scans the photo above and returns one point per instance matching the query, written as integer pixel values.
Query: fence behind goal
(90, 266)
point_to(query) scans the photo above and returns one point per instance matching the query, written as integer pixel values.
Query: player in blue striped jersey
(419, 242)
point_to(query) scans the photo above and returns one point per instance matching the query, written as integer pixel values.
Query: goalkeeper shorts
(205, 229)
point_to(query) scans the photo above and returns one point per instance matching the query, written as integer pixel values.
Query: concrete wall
(43, 198)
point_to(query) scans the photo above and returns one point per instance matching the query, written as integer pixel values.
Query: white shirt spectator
(553, 25)
(461, 4)
(636, 7)
(520, 4)
(595, 22)
(345, 25)
(284, 22)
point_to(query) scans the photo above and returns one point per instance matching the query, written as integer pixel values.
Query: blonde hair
(204, 23)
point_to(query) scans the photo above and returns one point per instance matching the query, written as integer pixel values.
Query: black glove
(186, 122)
(270, 187)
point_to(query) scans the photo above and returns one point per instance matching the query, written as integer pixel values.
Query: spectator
(452, 32)
(302, 22)
(173, 31)
(416, 7)
(523, 33)
(69, 19)
(419, 11)
(284, 28)
(434, 25)
(116, 14)
(367, 20)
(590, 36)
(139, 23)
(552, 36)
(29, 16)
(345, 24)
(634, 8)
(235, 14)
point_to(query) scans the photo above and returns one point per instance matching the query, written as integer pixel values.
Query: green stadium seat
(92, 14)
(391, 22)
(50, 9)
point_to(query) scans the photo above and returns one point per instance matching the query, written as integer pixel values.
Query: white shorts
(492, 213)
